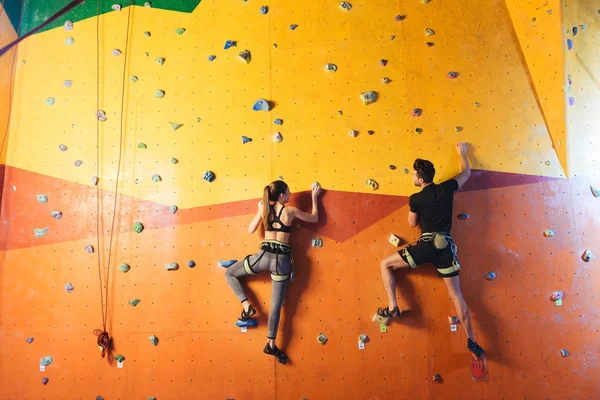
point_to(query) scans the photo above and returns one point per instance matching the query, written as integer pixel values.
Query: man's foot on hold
(274, 351)
(387, 313)
(246, 315)
(475, 348)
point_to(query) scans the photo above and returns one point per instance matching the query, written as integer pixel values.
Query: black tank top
(277, 220)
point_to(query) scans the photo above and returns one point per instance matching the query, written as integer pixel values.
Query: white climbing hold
(78, 163)
(353, 133)
(368, 97)
(95, 180)
(372, 184)
(68, 83)
(429, 32)
(42, 198)
(159, 94)
(101, 115)
(344, 5)
(156, 178)
(69, 41)
(330, 67)
(147, 4)
(172, 266)
(173, 209)
(317, 242)
(175, 126)
(174, 160)
(262, 105)
(245, 56)
(394, 239)
(548, 233)
(116, 52)
(62, 147)
(56, 214)
(595, 191)
(68, 25)
(587, 255)
(89, 248)
(277, 138)
(133, 78)
(39, 232)
(50, 101)
(69, 288)
(116, 7)
(160, 60)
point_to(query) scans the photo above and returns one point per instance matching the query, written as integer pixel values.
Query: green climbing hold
(45, 361)
(50, 101)
(180, 31)
(172, 266)
(69, 41)
(175, 126)
(174, 209)
(138, 227)
(159, 94)
(119, 358)
(142, 146)
(174, 160)
(153, 339)
(40, 232)
(160, 60)
(156, 178)
(134, 302)
(124, 267)
(133, 78)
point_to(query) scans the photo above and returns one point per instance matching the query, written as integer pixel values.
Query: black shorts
(424, 252)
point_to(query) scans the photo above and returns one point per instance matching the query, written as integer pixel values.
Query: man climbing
(432, 208)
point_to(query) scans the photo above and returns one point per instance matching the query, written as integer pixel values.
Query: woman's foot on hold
(246, 315)
(274, 351)
(475, 348)
(387, 313)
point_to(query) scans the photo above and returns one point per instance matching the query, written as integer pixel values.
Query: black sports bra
(277, 220)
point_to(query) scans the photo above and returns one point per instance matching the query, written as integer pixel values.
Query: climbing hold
(556, 295)
(564, 353)
(330, 67)
(587, 255)
(95, 180)
(363, 338)
(249, 323)
(430, 44)
(78, 163)
(453, 320)
(418, 130)
(317, 242)
(385, 80)
(124, 267)
(160, 60)
(159, 94)
(147, 34)
(89, 248)
(99, 398)
(50, 101)
(68, 25)
(293, 26)
(45, 381)
(392, 167)
(69, 288)
(392, 37)
(150, 398)
(42, 198)
(101, 115)
(400, 18)
(264, 10)
(116, 52)
(142, 146)
(476, 104)
(138, 227)
(490, 276)
(245, 56)
(45, 361)
(277, 138)
(340, 112)
(458, 128)
(571, 101)
(56, 214)
(226, 263)
(198, 119)
(372, 184)
(394, 239)
(173, 209)
(69, 41)
(134, 302)
(569, 44)
(425, 1)
(262, 105)
(191, 263)
(462, 216)
(116, 7)
(437, 378)
(230, 43)
(574, 31)
(278, 121)
(452, 75)
(429, 32)
(371, 132)
(68, 83)
(62, 147)
(548, 233)
(321, 338)
(172, 266)
(595, 191)
(153, 339)
(174, 160)
(406, 171)
(39, 232)
(29, 340)
(147, 4)
(119, 358)
(133, 78)
(156, 178)
(175, 126)
(416, 112)
(353, 133)
(246, 139)
(211, 58)
(383, 62)
(344, 5)
(368, 97)
(209, 176)
(180, 31)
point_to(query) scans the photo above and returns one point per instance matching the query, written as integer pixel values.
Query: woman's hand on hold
(316, 190)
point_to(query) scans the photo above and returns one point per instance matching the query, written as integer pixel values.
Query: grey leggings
(272, 258)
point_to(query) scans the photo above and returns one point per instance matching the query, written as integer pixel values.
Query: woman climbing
(274, 255)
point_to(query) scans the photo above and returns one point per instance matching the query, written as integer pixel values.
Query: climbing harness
(441, 240)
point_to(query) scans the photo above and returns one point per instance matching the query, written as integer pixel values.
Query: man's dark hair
(425, 170)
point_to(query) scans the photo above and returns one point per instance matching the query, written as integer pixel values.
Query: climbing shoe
(246, 315)
(475, 349)
(274, 351)
(387, 313)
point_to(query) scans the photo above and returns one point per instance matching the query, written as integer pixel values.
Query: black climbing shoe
(475, 348)
(274, 351)
(246, 315)
(386, 313)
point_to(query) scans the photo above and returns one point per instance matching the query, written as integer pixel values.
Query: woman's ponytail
(266, 208)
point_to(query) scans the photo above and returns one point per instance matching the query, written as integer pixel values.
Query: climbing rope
(103, 336)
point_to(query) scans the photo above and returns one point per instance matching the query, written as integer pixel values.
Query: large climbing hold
(209, 176)
(138, 227)
(226, 263)
(245, 56)
(172, 266)
(368, 97)
(262, 105)
(229, 43)
(344, 5)
(595, 191)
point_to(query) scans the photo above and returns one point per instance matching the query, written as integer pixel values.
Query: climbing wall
(115, 123)
(7, 66)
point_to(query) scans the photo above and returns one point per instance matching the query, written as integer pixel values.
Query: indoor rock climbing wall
(116, 120)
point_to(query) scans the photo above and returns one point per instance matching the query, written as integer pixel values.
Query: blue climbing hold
(191, 264)
(230, 43)
(262, 105)
(574, 31)
(246, 139)
(211, 58)
(226, 263)
(45, 381)
(249, 323)
(293, 26)
(209, 176)
(462, 216)
(29, 340)
(569, 44)
(278, 121)
(264, 10)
